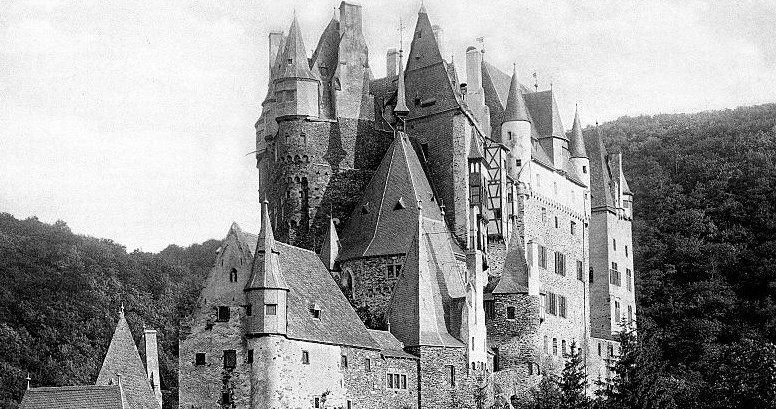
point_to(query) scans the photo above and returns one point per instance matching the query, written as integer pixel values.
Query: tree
(573, 381)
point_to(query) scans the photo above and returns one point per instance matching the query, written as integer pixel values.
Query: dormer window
(290, 61)
(315, 311)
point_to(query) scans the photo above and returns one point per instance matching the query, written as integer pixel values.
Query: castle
(478, 239)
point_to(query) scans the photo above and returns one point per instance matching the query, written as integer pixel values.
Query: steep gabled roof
(577, 140)
(515, 109)
(600, 176)
(427, 295)
(515, 274)
(326, 54)
(295, 52)
(389, 345)
(424, 49)
(331, 246)
(310, 283)
(122, 358)
(74, 397)
(378, 226)
(544, 112)
(265, 271)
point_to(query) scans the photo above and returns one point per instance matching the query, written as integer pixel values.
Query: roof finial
(442, 207)
(121, 309)
(28, 379)
(536, 81)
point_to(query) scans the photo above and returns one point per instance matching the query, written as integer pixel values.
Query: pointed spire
(577, 145)
(265, 272)
(294, 63)
(422, 8)
(401, 110)
(515, 109)
(331, 246)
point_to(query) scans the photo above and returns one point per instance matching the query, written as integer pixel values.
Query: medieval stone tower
(466, 239)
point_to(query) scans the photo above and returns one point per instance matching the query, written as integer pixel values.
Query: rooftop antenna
(536, 81)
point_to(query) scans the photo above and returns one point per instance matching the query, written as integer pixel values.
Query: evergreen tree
(573, 381)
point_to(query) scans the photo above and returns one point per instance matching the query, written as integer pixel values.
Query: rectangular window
(230, 358)
(404, 381)
(250, 356)
(560, 263)
(451, 374)
(271, 309)
(563, 347)
(542, 306)
(580, 271)
(316, 402)
(614, 276)
(542, 256)
(614, 244)
(555, 346)
(305, 357)
(199, 359)
(223, 314)
(544, 215)
(393, 267)
(344, 361)
(629, 279)
(626, 251)
(530, 368)
(226, 398)
(590, 275)
(552, 303)
(617, 311)
(562, 306)
(510, 313)
(389, 381)
(573, 228)
(368, 365)
(546, 344)
(249, 310)
(397, 381)
(349, 404)
(490, 309)
(556, 222)
(630, 315)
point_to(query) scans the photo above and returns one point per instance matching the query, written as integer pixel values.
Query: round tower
(516, 132)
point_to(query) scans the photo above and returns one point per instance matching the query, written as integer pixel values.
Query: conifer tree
(573, 380)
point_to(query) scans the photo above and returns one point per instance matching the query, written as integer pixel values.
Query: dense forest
(705, 255)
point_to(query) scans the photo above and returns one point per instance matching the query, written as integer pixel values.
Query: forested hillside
(705, 240)
(60, 295)
(705, 255)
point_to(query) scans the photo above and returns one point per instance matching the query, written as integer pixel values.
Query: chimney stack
(391, 62)
(350, 16)
(473, 69)
(152, 362)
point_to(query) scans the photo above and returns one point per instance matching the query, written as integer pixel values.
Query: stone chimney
(275, 37)
(439, 35)
(350, 16)
(152, 362)
(473, 69)
(391, 62)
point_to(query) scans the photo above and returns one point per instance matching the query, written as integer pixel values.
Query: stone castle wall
(436, 389)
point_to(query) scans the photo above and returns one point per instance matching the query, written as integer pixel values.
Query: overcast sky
(133, 120)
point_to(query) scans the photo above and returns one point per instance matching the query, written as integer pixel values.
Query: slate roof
(401, 90)
(309, 282)
(600, 176)
(380, 225)
(515, 273)
(501, 81)
(295, 51)
(577, 140)
(515, 109)
(545, 114)
(326, 55)
(389, 345)
(74, 397)
(265, 271)
(123, 358)
(430, 291)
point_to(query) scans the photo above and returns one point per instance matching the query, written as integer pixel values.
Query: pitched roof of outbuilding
(430, 284)
(310, 283)
(383, 222)
(74, 397)
(389, 345)
(122, 358)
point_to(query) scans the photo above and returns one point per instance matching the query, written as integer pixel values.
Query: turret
(577, 152)
(475, 94)
(516, 132)
(296, 88)
(266, 291)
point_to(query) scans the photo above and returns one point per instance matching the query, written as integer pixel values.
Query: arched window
(233, 275)
(296, 159)
(306, 159)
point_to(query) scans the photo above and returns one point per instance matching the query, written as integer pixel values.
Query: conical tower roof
(294, 63)
(515, 109)
(123, 359)
(514, 275)
(331, 247)
(577, 142)
(265, 272)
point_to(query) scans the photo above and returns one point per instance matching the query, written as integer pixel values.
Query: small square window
(584, 169)
(223, 314)
(316, 313)
(199, 359)
(230, 358)
(510, 313)
(271, 309)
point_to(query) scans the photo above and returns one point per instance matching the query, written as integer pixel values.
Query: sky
(133, 120)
